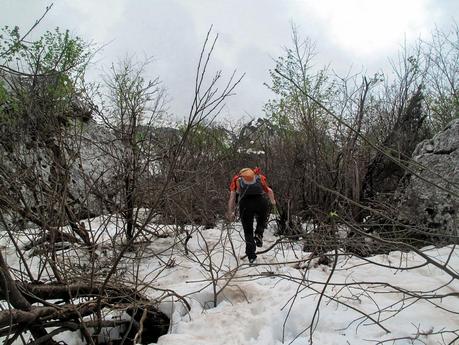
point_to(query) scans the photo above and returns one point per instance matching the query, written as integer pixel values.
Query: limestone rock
(431, 194)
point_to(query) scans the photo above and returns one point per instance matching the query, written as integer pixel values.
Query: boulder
(430, 196)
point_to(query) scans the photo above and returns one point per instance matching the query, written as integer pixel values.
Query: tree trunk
(10, 292)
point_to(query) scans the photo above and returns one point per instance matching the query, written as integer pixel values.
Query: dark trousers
(253, 207)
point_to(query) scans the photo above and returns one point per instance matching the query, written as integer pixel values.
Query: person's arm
(231, 206)
(271, 197)
(268, 190)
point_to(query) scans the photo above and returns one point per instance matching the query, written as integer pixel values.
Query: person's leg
(262, 216)
(247, 218)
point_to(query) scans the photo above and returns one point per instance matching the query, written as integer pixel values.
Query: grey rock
(431, 194)
(94, 170)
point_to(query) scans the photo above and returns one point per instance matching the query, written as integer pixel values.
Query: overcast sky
(252, 33)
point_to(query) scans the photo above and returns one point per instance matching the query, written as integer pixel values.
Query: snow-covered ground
(284, 299)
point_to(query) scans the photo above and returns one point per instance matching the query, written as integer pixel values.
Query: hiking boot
(252, 261)
(258, 241)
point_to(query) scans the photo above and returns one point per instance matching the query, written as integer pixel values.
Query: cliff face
(98, 174)
(94, 171)
(77, 175)
(432, 197)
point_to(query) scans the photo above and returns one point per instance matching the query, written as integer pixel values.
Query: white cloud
(369, 27)
(252, 33)
(94, 19)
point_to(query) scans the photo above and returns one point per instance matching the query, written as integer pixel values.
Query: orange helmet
(247, 174)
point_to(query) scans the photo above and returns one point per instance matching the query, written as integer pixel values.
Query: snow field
(274, 302)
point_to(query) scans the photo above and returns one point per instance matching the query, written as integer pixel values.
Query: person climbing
(250, 187)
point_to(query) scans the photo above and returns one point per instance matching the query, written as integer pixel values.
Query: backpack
(255, 188)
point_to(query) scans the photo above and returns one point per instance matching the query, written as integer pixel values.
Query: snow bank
(276, 301)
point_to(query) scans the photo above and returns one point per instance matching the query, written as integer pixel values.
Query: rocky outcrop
(97, 172)
(431, 193)
(93, 171)
(60, 181)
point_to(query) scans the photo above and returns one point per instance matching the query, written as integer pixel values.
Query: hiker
(255, 202)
